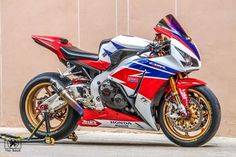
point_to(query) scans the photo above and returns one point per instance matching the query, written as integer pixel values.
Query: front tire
(39, 88)
(208, 108)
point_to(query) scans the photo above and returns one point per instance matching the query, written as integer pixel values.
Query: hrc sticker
(132, 79)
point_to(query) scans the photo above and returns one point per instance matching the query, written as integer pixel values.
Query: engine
(111, 96)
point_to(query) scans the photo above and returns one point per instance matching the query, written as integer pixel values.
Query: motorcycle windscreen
(172, 26)
(169, 22)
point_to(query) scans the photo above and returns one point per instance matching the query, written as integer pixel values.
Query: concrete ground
(120, 142)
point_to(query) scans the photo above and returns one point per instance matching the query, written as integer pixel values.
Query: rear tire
(70, 123)
(208, 134)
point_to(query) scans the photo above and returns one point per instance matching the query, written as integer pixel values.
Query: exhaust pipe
(59, 88)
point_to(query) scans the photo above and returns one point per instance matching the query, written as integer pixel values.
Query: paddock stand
(31, 139)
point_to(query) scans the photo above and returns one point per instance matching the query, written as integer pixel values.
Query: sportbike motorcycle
(131, 83)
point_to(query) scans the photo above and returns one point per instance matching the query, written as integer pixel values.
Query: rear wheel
(62, 122)
(201, 124)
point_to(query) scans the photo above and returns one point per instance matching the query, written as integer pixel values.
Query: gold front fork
(180, 76)
(173, 85)
(174, 90)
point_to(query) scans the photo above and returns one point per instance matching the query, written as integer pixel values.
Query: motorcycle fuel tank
(108, 47)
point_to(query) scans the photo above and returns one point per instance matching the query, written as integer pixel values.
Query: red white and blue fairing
(158, 69)
(152, 72)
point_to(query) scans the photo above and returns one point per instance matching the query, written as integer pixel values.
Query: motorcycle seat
(73, 53)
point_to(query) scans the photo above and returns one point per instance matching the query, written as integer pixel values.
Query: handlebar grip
(143, 51)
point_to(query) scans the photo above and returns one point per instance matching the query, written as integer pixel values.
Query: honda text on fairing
(131, 83)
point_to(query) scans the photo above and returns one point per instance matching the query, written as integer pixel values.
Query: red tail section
(52, 43)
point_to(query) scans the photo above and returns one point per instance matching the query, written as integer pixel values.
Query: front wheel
(201, 124)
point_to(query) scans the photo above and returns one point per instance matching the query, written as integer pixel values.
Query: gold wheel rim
(34, 116)
(186, 136)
